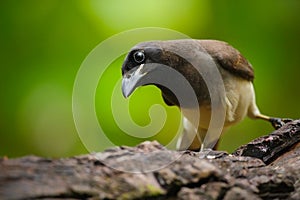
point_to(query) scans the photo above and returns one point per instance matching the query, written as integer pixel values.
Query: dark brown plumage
(189, 57)
(229, 58)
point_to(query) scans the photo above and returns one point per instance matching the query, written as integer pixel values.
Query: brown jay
(189, 57)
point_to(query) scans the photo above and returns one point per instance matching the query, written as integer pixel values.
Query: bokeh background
(43, 43)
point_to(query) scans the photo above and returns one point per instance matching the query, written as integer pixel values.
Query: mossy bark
(266, 168)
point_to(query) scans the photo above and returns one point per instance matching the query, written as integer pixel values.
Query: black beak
(136, 77)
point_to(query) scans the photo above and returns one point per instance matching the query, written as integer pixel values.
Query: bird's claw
(279, 122)
(211, 154)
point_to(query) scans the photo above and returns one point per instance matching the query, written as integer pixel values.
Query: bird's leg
(199, 140)
(254, 112)
(189, 139)
(276, 122)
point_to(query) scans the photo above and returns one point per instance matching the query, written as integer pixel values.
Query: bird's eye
(139, 56)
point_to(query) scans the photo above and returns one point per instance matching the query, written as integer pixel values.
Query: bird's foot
(211, 154)
(204, 152)
(279, 122)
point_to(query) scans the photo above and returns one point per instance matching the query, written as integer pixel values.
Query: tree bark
(266, 168)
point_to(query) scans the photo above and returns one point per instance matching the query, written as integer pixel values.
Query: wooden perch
(266, 168)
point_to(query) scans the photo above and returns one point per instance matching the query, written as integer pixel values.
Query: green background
(43, 43)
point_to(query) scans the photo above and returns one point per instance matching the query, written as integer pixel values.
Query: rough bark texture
(267, 168)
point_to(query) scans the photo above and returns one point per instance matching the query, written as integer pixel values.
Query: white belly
(237, 102)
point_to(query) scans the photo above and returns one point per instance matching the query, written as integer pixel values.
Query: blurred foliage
(43, 44)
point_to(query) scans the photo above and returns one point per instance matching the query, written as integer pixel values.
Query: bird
(188, 57)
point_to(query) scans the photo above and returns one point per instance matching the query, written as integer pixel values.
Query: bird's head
(136, 67)
(144, 66)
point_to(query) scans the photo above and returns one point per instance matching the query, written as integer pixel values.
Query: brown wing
(229, 58)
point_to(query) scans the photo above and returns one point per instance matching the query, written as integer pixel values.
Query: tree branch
(266, 168)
